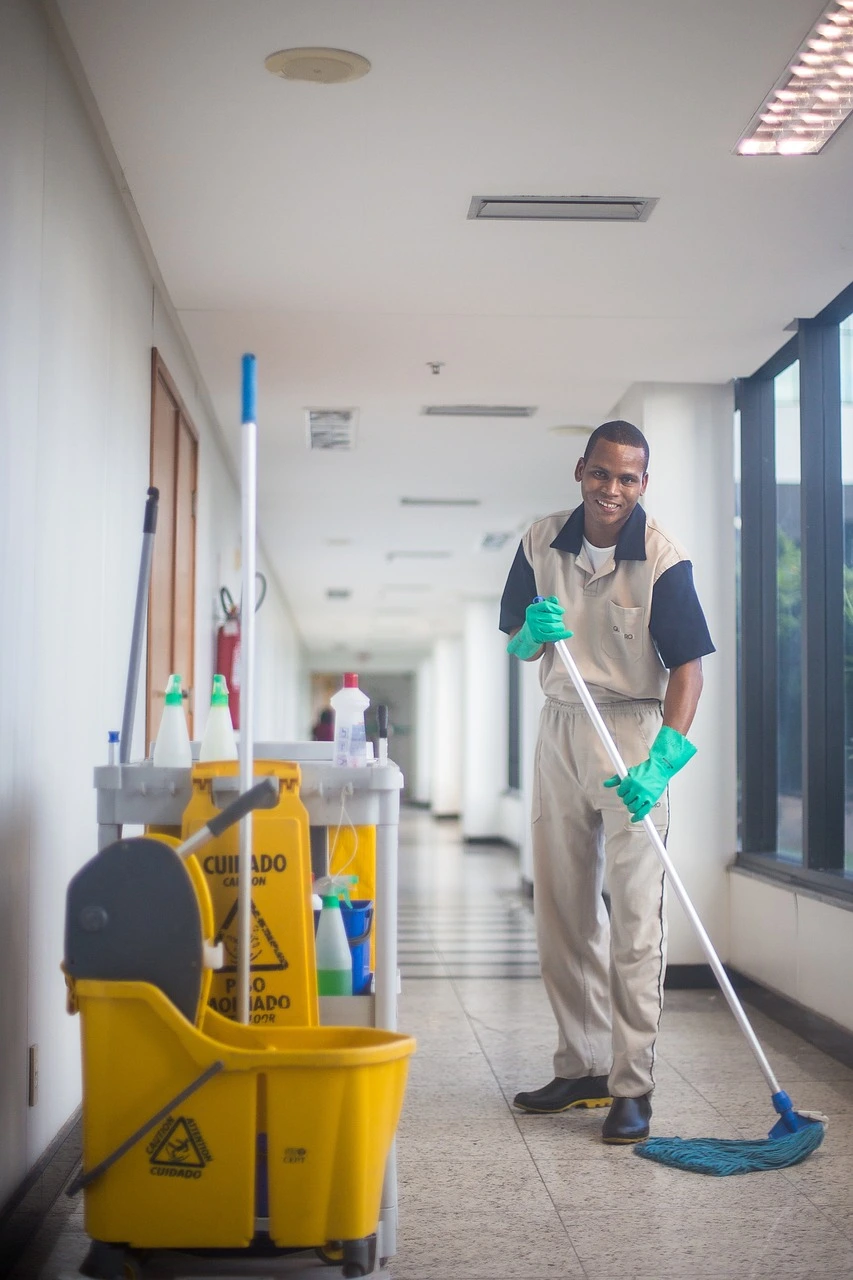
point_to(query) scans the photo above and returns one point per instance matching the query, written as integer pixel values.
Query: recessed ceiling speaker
(323, 66)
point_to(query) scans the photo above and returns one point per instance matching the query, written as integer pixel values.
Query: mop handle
(660, 849)
(263, 795)
(247, 669)
(149, 528)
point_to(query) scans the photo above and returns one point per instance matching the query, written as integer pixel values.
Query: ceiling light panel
(813, 97)
(563, 208)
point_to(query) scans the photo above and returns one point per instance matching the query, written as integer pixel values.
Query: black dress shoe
(628, 1119)
(561, 1094)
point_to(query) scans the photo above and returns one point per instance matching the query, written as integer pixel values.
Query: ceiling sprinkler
(435, 365)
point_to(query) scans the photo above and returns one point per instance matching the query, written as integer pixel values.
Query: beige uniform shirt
(633, 620)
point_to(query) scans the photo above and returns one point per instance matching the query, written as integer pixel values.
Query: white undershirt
(598, 555)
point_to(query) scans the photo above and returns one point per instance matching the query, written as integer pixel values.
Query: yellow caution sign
(282, 964)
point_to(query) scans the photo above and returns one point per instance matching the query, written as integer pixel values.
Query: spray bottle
(334, 958)
(218, 741)
(172, 749)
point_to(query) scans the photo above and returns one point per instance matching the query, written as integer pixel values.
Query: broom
(796, 1133)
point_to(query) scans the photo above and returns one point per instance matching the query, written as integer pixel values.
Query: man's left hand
(645, 783)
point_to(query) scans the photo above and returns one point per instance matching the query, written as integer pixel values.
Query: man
(639, 637)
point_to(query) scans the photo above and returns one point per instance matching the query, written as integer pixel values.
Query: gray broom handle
(149, 527)
(660, 849)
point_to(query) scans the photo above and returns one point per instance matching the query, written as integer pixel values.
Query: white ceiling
(325, 229)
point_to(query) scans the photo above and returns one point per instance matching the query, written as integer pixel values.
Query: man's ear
(579, 469)
(643, 483)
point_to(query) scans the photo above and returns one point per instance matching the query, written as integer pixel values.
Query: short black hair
(619, 432)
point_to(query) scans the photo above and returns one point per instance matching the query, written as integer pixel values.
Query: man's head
(619, 432)
(613, 476)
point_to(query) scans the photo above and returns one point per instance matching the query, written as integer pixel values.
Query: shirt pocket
(624, 634)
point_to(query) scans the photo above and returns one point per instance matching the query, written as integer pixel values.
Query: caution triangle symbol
(267, 956)
(178, 1148)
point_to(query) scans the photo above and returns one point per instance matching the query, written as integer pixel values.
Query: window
(796, 606)
(846, 337)
(789, 607)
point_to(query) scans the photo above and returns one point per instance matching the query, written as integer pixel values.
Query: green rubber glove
(543, 624)
(645, 783)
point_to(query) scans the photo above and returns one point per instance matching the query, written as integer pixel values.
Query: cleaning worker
(626, 590)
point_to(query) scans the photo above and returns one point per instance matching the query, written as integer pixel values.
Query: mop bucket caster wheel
(110, 1262)
(332, 1253)
(359, 1257)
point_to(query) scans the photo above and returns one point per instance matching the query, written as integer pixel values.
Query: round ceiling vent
(323, 66)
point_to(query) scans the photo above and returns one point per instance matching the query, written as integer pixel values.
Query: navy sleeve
(518, 593)
(677, 623)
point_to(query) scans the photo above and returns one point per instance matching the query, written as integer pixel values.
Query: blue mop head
(723, 1156)
(794, 1136)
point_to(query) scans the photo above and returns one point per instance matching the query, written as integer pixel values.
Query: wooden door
(171, 604)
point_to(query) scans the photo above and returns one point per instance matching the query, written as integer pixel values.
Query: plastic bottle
(112, 746)
(350, 739)
(334, 958)
(218, 741)
(172, 749)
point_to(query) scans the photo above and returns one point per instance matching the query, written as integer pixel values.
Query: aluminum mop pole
(149, 528)
(247, 663)
(791, 1123)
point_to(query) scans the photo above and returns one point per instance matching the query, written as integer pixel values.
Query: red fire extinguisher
(228, 646)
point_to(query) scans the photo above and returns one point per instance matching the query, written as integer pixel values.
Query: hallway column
(485, 701)
(690, 430)
(447, 727)
(421, 784)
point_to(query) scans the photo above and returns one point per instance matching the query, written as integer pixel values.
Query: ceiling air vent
(439, 502)
(479, 410)
(418, 555)
(338, 593)
(494, 541)
(331, 428)
(563, 208)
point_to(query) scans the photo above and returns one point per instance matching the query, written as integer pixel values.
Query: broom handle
(680, 892)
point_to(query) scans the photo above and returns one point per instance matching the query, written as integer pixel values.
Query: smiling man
(638, 635)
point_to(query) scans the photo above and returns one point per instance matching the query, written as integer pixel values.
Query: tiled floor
(487, 1193)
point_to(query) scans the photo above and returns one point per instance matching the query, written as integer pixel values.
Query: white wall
(796, 943)
(78, 317)
(691, 494)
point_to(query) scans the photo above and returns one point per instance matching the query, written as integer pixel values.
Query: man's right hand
(543, 624)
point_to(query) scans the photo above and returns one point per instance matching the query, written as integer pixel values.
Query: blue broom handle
(660, 849)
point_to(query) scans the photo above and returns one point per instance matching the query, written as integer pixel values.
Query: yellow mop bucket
(183, 1106)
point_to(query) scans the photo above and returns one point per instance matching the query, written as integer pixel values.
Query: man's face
(612, 481)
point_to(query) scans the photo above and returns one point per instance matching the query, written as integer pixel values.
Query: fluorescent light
(814, 96)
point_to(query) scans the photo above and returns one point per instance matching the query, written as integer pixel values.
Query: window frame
(816, 345)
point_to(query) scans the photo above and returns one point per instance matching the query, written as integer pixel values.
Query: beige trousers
(603, 976)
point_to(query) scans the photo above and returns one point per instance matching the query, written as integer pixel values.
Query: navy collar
(631, 544)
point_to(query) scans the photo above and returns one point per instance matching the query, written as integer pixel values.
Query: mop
(796, 1133)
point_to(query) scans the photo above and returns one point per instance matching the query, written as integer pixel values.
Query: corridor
(487, 1193)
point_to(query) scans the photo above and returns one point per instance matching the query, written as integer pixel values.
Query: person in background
(639, 638)
(324, 729)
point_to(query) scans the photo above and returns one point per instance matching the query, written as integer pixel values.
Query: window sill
(825, 886)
